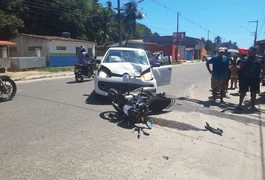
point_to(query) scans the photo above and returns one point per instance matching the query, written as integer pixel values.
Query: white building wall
(70, 47)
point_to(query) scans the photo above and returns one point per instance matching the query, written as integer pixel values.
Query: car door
(163, 73)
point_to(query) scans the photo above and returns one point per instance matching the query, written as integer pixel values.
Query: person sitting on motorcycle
(83, 57)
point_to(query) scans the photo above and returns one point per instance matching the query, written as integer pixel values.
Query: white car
(127, 69)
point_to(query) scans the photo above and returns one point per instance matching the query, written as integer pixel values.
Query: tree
(131, 14)
(9, 25)
(85, 19)
(218, 39)
(203, 41)
(209, 45)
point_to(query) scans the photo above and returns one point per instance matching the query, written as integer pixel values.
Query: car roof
(126, 48)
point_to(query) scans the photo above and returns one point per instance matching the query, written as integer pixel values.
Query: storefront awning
(7, 43)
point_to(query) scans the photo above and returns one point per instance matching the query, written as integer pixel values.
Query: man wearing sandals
(250, 69)
(219, 73)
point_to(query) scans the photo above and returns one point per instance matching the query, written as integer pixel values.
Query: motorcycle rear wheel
(8, 90)
(79, 78)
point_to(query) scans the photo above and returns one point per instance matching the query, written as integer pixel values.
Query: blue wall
(189, 55)
(61, 61)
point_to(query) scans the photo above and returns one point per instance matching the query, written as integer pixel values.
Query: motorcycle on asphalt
(81, 72)
(136, 105)
(130, 107)
(8, 88)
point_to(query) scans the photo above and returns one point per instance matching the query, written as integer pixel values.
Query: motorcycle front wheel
(9, 90)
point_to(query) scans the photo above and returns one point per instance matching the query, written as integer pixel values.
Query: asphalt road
(56, 129)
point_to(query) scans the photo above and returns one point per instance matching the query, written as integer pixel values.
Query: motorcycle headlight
(147, 76)
(103, 74)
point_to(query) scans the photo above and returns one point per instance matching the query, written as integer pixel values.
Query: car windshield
(121, 56)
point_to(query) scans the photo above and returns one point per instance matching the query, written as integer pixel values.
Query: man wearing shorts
(250, 69)
(219, 73)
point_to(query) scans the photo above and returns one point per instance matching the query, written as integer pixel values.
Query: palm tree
(109, 5)
(131, 14)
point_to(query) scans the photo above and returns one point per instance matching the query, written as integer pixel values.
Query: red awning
(7, 43)
(243, 51)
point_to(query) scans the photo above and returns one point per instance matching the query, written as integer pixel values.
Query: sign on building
(179, 36)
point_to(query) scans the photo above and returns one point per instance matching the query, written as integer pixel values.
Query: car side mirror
(155, 65)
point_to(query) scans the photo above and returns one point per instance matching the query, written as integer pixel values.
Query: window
(13, 49)
(32, 48)
(61, 48)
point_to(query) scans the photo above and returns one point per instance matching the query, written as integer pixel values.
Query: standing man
(219, 73)
(250, 69)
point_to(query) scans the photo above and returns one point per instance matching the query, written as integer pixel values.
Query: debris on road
(166, 158)
(215, 131)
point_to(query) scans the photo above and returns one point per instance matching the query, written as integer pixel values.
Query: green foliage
(85, 19)
(9, 25)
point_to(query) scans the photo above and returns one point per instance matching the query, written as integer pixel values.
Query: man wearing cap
(250, 69)
(219, 73)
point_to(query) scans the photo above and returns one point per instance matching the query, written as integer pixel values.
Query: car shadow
(94, 99)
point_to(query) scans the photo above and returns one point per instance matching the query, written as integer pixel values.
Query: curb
(40, 77)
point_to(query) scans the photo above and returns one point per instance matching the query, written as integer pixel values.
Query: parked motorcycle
(81, 72)
(8, 88)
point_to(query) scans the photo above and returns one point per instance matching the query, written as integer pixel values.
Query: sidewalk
(30, 75)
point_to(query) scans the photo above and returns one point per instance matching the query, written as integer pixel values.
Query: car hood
(122, 68)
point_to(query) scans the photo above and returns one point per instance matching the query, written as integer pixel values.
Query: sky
(226, 18)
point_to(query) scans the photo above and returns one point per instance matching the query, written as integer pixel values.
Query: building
(261, 49)
(189, 45)
(58, 51)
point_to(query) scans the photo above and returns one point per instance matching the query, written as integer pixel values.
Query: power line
(185, 18)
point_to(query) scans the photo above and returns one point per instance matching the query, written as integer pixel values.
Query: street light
(256, 32)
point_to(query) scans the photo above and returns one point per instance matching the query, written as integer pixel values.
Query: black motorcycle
(81, 72)
(8, 88)
(130, 107)
(136, 105)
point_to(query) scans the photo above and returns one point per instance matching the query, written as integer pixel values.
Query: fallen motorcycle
(135, 105)
(156, 102)
(8, 88)
(130, 107)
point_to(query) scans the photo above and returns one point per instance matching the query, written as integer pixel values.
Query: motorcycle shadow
(112, 117)
(75, 82)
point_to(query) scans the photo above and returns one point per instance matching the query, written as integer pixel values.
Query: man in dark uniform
(250, 69)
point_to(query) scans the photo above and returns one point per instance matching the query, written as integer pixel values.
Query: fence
(20, 63)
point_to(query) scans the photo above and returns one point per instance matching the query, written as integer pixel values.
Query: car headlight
(103, 74)
(147, 76)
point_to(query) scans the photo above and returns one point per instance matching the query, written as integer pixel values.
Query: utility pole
(208, 34)
(119, 17)
(177, 35)
(256, 32)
